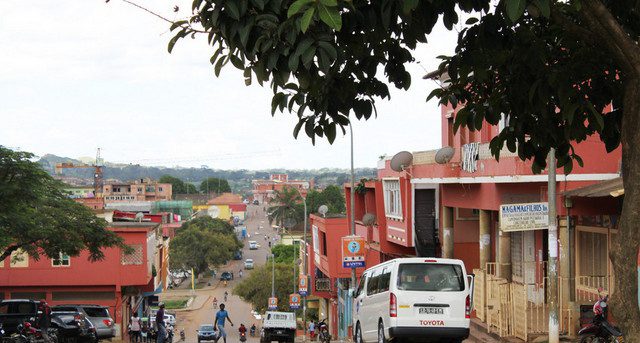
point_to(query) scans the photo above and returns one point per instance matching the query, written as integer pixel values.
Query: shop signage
(353, 253)
(524, 217)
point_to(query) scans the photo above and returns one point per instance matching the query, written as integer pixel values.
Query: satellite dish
(139, 216)
(401, 160)
(444, 155)
(369, 219)
(213, 211)
(290, 222)
(323, 209)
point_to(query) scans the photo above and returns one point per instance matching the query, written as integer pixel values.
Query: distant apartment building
(139, 190)
(264, 190)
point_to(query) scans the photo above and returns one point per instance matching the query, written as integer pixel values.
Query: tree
(37, 217)
(178, 186)
(210, 224)
(200, 249)
(256, 288)
(284, 253)
(214, 185)
(334, 199)
(284, 206)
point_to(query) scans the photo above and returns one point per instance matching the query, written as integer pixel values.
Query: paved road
(239, 311)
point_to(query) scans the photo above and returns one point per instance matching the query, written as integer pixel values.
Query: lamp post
(352, 222)
(304, 265)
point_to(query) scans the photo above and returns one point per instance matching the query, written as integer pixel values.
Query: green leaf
(236, 61)
(296, 130)
(307, 56)
(409, 5)
(330, 3)
(297, 6)
(597, 115)
(330, 16)
(247, 76)
(515, 9)
(233, 10)
(330, 49)
(258, 3)
(308, 127)
(219, 65)
(306, 19)
(330, 131)
(276, 101)
(472, 21)
(544, 7)
(177, 24)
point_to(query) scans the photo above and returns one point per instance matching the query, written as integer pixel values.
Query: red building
(263, 190)
(119, 281)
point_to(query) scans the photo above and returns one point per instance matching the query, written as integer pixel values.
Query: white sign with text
(524, 217)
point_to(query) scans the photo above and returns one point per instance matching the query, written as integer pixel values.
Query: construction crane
(97, 175)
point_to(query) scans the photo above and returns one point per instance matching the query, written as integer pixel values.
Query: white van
(415, 299)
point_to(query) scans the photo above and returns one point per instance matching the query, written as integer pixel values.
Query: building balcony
(371, 234)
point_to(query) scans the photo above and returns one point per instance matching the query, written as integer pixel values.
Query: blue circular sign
(354, 247)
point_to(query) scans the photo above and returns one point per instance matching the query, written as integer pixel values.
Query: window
(372, 285)
(135, 258)
(392, 199)
(323, 240)
(159, 189)
(383, 282)
(430, 277)
(361, 285)
(139, 189)
(63, 260)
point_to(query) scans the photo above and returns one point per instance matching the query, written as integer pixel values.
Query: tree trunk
(624, 300)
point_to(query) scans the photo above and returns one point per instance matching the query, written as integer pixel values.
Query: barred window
(136, 257)
(392, 199)
(63, 260)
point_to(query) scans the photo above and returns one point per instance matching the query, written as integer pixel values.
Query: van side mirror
(471, 279)
(351, 292)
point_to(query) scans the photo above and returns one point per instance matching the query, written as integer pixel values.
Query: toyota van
(413, 300)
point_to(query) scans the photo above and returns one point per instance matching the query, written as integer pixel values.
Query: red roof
(238, 207)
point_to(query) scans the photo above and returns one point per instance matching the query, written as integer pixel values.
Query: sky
(80, 75)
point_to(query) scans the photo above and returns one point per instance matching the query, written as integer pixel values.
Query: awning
(607, 188)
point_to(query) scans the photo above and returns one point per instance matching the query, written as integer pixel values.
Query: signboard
(353, 253)
(273, 303)
(303, 285)
(524, 217)
(294, 301)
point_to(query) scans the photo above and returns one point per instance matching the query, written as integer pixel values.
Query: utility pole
(353, 202)
(554, 332)
(273, 276)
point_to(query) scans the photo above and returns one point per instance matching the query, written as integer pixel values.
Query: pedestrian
(218, 325)
(240, 272)
(312, 330)
(162, 329)
(144, 333)
(135, 328)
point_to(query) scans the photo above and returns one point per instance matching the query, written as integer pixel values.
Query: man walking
(162, 329)
(221, 317)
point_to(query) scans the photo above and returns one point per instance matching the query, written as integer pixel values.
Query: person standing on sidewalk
(221, 317)
(162, 329)
(135, 327)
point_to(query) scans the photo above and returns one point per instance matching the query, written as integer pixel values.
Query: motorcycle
(243, 337)
(323, 332)
(169, 334)
(600, 330)
(26, 333)
(182, 335)
(252, 331)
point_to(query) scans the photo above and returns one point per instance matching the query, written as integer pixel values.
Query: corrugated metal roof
(607, 188)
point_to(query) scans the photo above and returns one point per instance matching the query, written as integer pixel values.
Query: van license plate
(431, 310)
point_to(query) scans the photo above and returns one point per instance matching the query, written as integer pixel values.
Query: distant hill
(240, 180)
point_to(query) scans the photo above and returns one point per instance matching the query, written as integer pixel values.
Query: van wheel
(381, 338)
(358, 334)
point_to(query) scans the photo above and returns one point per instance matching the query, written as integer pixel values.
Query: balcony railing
(323, 285)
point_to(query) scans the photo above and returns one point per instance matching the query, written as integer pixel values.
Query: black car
(206, 333)
(73, 326)
(226, 276)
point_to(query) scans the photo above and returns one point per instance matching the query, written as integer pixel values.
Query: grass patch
(174, 304)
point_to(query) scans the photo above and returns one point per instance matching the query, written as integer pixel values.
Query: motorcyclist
(242, 328)
(226, 294)
(243, 333)
(215, 302)
(253, 329)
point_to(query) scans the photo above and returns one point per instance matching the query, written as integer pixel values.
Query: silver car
(248, 264)
(98, 315)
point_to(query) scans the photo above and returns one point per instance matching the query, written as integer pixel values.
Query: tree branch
(576, 30)
(13, 248)
(610, 32)
(161, 17)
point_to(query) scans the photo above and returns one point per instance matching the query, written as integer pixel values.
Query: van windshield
(430, 277)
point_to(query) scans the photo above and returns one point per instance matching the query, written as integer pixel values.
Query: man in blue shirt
(221, 317)
(162, 330)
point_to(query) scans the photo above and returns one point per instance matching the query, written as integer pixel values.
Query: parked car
(413, 298)
(248, 263)
(98, 315)
(237, 255)
(206, 333)
(226, 276)
(169, 319)
(73, 326)
(253, 245)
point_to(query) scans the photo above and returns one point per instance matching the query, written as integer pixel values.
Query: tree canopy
(178, 186)
(331, 196)
(285, 208)
(214, 185)
(256, 288)
(37, 217)
(283, 253)
(203, 243)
